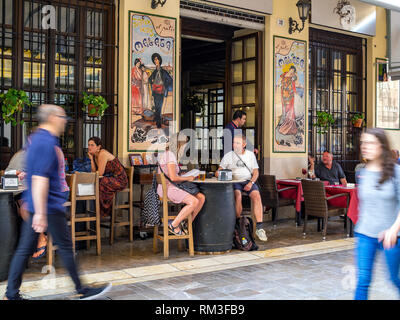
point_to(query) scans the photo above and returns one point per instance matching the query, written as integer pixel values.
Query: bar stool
(126, 206)
(165, 237)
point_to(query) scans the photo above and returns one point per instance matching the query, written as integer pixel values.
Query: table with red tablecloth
(341, 202)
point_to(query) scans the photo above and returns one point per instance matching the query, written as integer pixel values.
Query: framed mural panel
(152, 78)
(387, 113)
(289, 106)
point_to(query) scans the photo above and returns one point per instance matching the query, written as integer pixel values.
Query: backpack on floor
(243, 235)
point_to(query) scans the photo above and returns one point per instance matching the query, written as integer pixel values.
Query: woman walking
(379, 219)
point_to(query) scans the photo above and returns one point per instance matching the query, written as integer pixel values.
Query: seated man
(328, 170)
(243, 164)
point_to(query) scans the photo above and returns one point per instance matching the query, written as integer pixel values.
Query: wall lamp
(304, 9)
(155, 3)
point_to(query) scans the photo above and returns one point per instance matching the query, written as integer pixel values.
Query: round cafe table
(8, 229)
(213, 227)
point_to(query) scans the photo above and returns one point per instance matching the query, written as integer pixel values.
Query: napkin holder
(225, 175)
(9, 182)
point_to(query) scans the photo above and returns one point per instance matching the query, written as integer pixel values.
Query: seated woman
(170, 167)
(114, 176)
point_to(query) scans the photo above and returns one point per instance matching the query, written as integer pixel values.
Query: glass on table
(202, 175)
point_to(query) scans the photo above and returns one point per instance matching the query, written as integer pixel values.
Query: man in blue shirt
(238, 121)
(45, 199)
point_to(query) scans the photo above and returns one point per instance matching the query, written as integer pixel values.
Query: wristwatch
(251, 182)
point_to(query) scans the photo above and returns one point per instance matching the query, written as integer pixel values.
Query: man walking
(45, 201)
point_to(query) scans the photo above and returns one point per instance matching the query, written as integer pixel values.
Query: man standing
(161, 83)
(328, 170)
(238, 121)
(45, 199)
(243, 164)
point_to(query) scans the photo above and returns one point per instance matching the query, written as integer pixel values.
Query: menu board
(387, 99)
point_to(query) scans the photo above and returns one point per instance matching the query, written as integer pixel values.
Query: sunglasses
(63, 117)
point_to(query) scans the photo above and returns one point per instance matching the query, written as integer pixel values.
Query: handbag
(187, 186)
(150, 215)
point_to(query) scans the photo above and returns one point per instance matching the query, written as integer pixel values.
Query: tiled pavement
(324, 276)
(288, 266)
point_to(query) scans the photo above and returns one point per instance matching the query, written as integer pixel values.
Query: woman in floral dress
(113, 174)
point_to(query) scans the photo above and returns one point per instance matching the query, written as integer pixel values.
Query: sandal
(38, 254)
(184, 227)
(171, 229)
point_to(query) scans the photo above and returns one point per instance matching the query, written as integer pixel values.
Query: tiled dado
(58, 285)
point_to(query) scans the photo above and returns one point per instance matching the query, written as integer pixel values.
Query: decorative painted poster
(152, 53)
(387, 98)
(289, 95)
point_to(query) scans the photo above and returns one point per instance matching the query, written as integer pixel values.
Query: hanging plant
(324, 121)
(193, 102)
(357, 120)
(95, 105)
(12, 103)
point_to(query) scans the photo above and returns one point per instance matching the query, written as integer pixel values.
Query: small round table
(213, 227)
(8, 229)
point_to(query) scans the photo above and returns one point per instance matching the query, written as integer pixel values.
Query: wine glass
(304, 172)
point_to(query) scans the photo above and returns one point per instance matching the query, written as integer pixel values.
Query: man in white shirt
(244, 166)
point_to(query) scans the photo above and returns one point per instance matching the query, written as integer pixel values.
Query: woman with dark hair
(136, 95)
(378, 225)
(114, 176)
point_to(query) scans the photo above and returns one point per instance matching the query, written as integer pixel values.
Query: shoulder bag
(251, 173)
(187, 186)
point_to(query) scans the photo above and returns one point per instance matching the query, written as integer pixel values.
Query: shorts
(240, 186)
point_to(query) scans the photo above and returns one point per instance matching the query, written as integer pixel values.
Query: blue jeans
(59, 230)
(365, 251)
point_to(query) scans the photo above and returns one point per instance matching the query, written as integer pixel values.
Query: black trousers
(158, 102)
(60, 232)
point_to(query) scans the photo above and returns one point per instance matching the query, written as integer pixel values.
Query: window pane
(237, 50)
(250, 93)
(251, 117)
(250, 70)
(250, 47)
(34, 72)
(237, 95)
(237, 72)
(6, 72)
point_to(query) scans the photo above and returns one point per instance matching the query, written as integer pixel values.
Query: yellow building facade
(281, 164)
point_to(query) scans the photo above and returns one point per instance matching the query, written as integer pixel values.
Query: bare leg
(257, 205)
(238, 203)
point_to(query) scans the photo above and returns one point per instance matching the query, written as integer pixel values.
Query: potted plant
(324, 121)
(95, 105)
(13, 103)
(193, 102)
(357, 120)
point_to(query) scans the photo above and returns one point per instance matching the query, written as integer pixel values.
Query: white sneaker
(260, 233)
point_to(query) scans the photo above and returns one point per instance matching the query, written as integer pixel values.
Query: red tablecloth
(297, 194)
(341, 202)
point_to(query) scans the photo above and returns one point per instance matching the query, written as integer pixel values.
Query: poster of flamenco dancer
(289, 95)
(151, 107)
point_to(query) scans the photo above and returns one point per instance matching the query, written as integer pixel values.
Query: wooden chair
(89, 234)
(165, 237)
(126, 206)
(316, 203)
(270, 195)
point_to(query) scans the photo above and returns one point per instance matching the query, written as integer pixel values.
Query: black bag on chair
(187, 186)
(151, 209)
